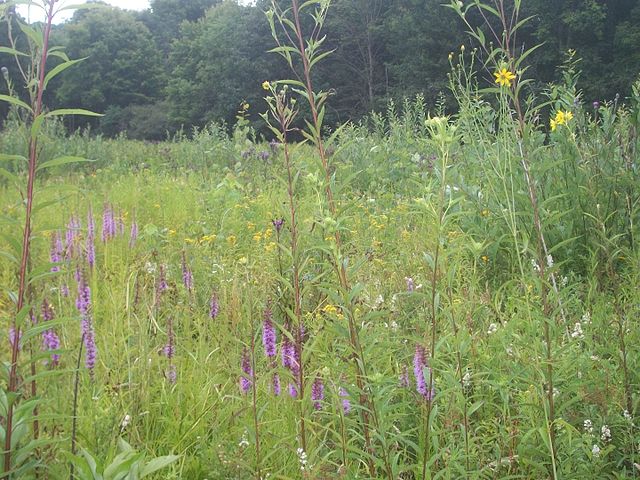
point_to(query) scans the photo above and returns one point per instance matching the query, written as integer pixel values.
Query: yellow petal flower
(266, 85)
(504, 77)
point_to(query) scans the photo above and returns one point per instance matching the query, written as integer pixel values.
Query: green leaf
(73, 111)
(15, 101)
(8, 158)
(62, 161)
(12, 51)
(58, 69)
(157, 464)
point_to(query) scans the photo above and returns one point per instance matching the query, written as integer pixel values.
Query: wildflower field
(421, 295)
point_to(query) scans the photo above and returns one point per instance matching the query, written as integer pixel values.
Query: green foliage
(121, 65)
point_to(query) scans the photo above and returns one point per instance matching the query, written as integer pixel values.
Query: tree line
(185, 63)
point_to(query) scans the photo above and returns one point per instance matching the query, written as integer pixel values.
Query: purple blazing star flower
(187, 275)
(246, 379)
(57, 251)
(12, 337)
(263, 155)
(411, 286)
(133, 234)
(269, 333)
(90, 242)
(346, 404)
(83, 304)
(171, 374)
(50, 340)
(162, 281)
(419, 365)
(71, 236)
(108, 223)
(293, 390)
(275, 383)
(404, 377)
(214, 306)
(317, 393)
(169, 349)
(596, 105)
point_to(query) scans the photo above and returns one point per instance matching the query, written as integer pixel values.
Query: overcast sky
(35, 14)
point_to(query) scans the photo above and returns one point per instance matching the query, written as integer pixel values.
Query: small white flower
(534, 264)
(577, 331)
(606, 434)
(466, 380)
(556, 392)
(564, 281)
(125, 422)
(493, 328)
(586, 318)
(549, 261)
(509, 350)
(302, 458)
(595, 451)
(379, 301)
(394, 326)
(588, 426)
(627, 416)
(243, 441)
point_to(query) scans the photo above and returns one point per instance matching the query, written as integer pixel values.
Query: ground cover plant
(420, 295)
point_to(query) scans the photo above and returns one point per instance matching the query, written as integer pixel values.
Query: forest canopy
(183, 64)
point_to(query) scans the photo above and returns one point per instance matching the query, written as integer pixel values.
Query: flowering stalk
(36, 110)
(90, 246)
(308, 50)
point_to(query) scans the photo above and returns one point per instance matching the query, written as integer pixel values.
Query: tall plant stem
(358, 354)
(434, 311)
(74, 418)
(297, 292)
(254, 406)
(26, 242)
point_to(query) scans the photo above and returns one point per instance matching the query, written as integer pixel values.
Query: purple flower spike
(419, 365)
(410, 284)
(171, 374)
(83, 304)
(187, 275)
(71, 237)
(214, 306)
(162, 281)
(404, 377)
(269, 333)
(169, 349)
(276, 384)
(346, 404)
(293, 391)
(12, 338)
(108, 223)
(57, 251)
(317, 393)
(51, 341)
(90, 246)
(133, 234)
(246, 379)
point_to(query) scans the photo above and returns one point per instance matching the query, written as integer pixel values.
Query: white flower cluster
(605, 434)
(493, 328)
(243, 441)
(588, 426)
(577, 331)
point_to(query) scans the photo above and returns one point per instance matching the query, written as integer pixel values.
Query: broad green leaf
(73, 111)
(15, 101)
(62, 161)
(60, 68)
(157, 464)
(12, 51)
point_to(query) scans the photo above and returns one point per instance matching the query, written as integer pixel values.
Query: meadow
(419, 295)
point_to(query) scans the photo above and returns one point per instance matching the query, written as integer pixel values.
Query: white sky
(35, 14)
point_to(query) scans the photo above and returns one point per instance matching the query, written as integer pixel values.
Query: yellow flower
(258, 236)
(251, 226)
(172, 232)
(231, 240)
(561, 118)
(266, 85)
(270, 247)
(485, 259)
(504, 77)
(485, 213)
(268, 232)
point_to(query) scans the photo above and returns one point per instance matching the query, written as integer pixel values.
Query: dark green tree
(122, 65)
(219, 62)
